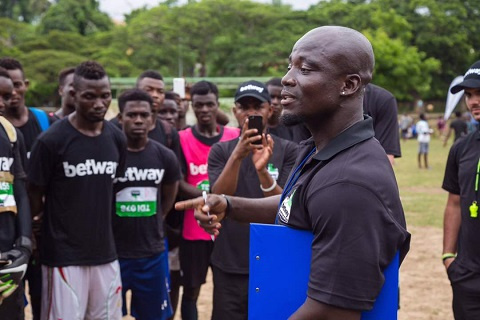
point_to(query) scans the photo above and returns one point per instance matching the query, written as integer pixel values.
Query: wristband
(229, 206)
(274, 184)
(448, 255)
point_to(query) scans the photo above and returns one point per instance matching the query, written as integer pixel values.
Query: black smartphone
(256, 122)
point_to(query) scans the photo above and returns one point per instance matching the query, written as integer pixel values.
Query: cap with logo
(471, 79)
(253, 89)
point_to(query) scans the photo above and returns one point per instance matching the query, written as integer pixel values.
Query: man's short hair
(133, 95)
(11, 64)
(90, 70)
(458, 114)
(170, 95)
(276, 82)
(149, 74)
(62, 75)
(203, 88)
(4, 73)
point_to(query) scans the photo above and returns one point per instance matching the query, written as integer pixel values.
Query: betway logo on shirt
(136, 174)
(196, 170)
(89, 168)
(5, 163)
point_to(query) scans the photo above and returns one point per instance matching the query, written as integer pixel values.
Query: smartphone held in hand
(256, 122)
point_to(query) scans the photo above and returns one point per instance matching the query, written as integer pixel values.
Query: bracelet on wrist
(229, 205)
(448, 255)
(274, 184)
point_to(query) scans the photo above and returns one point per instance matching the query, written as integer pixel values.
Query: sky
(117, 8)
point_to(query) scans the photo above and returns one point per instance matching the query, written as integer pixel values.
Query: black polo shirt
(230, 253)
(381, 105)
(348, 196)
(460, 179)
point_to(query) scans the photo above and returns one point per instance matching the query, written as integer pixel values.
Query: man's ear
(353, 83)
(120, 118)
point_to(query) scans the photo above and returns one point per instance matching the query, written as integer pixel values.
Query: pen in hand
(204, 194)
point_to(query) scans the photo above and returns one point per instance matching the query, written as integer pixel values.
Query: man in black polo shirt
(342, 187)
(241, 168)
(461, 250)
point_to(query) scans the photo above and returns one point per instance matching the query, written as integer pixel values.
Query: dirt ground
(425, 292)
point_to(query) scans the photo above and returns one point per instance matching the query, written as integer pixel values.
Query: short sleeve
(41, 164)
(450, 179)
(217, 159)
(355, 238)
(172, 167)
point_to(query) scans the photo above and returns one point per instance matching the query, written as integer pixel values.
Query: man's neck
(181, 123)
(64, 111)
(137, 145)
(17, 116)
(209, 130)
(88, 128)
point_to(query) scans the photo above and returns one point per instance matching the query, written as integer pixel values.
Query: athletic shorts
(423, 147)
(82, 292)
(194, 261)
(230, 295)
(147, 278)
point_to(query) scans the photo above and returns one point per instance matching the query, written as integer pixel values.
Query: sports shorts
(194, 261)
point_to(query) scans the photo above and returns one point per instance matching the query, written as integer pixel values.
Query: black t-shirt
(460, 179)
(459, 127)
(137, 211)
(230, 252)
(381, 105)
(170, 140)
(77, 172)
(11, 223)
(347, 196)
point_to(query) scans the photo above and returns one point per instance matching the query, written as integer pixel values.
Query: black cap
(471, 79)
(254, 89)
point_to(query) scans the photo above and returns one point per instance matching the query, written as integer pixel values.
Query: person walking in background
(458, 126)
(423, 137)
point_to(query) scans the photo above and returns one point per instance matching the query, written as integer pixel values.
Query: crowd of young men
(99, 196)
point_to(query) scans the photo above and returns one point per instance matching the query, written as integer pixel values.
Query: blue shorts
(147, 278)
(423, 147)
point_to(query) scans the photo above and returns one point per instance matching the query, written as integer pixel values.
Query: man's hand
(215, 206)
(245, 145)
(12, 273)
(261, 156)
(447, 262)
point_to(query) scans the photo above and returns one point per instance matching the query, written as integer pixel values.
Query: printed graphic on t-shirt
(90, 167)
(204, 185)
(286, 207)
(272, 171)
(136, 202)
(136, 174)
(7, 199)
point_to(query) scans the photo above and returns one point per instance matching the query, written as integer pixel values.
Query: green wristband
(448, 255)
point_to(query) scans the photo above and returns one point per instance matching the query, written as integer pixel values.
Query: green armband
(448, 255)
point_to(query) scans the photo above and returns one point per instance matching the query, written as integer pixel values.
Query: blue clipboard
(279, 272)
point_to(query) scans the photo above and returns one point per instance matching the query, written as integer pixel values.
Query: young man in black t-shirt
(458, 126)
(31, 122)
(73, 165)
(65, 82)
(241, 168)
(142, 198)
(15, 222)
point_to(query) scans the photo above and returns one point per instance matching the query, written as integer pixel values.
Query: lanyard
(293, 179)
(474, 207)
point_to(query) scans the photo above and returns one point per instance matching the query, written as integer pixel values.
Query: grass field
(422, 197)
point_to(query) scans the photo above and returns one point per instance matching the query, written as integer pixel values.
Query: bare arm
(222, 118)
(314, 310)
(451, 225)
(245, 210)
(391, 158)
(169, 193)
(36, 194)
(187, 191)
(447, 136)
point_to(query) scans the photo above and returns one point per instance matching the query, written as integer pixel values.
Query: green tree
(24, 10)
(80, 16)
